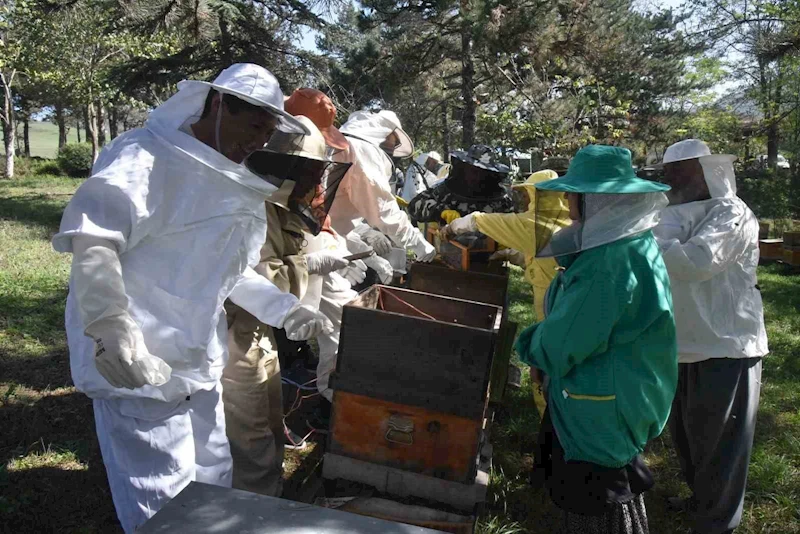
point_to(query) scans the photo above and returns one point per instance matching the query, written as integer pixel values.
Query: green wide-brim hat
(602, 169)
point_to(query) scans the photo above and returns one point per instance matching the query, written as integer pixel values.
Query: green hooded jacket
(609, 348)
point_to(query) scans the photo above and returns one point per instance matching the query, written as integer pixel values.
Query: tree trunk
(112, 121)
(9, 131)
(92, 129)
(101, 123)
(445, 134)
(467, 79)
(26, 136)
(78, 129)
(86, 129)
(62, 126)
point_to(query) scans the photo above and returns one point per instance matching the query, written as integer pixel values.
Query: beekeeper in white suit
(709, 240)
(168, 227)
(421, 175)
(364, 209)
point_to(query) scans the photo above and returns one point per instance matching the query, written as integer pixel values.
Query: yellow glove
(449, 216)
(401, 202)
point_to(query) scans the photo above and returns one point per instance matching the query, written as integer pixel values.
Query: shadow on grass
(44, 209)
(52, 477)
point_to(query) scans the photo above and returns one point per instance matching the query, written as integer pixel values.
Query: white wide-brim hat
(257, 86)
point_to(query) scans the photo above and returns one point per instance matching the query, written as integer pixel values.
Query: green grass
(44, 139)
(52, 477)
(773, 496)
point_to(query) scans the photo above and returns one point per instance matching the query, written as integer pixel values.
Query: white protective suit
(710, 248)
(365, 192)
(417, 176)
(165, 201)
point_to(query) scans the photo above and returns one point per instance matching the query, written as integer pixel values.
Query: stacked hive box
(791, 248)
(410, 392)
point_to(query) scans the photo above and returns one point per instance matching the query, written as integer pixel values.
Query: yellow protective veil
(523, 232)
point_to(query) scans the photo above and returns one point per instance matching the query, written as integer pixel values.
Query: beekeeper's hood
(374, 128)
(615, 203)
(529, 187)
(300, 167)
(251, 83)
(717, 168)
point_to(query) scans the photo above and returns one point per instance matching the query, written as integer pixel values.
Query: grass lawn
(44, 139)
(52, 477)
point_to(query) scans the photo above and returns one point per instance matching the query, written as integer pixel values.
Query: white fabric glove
(304, 322)
(355, 272)
(382, 267)
(381, 244)
(121, 355)
(510, 255)
(464, 225)
(424, 251)
(323, 262)
(262, 299)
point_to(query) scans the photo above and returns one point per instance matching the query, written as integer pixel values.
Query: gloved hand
(382, 267)
(304, 322)
(462, 225)
(449, 216)
(323, 262)
(510, 255)
(381, 244)
(121, 356)
(355, 272)
(424, 251)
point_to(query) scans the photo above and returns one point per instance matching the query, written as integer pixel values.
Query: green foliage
(770, 194)
(76, 159)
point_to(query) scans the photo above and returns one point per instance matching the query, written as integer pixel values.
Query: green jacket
(609, 348)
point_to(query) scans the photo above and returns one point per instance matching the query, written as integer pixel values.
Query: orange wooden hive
(411, 381)
(792, 256)
(771, 249)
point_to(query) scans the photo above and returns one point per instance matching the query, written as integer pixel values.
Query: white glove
(304, 322)
(509, 254)
(424, 251)
(121, 355)
(324, 262)
(382, 267)
(355, 272)
(381, 244)
(464, 225)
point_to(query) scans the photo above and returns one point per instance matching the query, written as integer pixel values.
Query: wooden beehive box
(771, 249)
(411, 381)
(472, 257)
(791, 240)
(469, 285)
(763, 230)
(792, 256)
(480, 287)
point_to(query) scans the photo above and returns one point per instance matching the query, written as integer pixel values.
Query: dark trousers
(712, 424)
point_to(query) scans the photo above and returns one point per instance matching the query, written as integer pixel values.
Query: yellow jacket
(523, 232)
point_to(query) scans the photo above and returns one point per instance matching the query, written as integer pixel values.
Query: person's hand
(449, 216)
(381, 244)
(537, 376)
(324, 262)
(304, 322)
(121, 356)
(355, 272)
(424, 251)
(462, 225)
(509, 254)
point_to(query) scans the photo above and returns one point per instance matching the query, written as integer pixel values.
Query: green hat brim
(576, 184)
